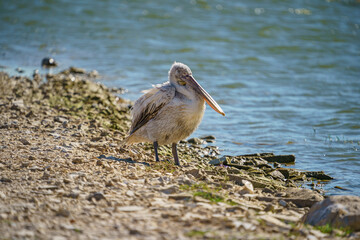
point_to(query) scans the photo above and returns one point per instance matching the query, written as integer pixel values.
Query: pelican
(170, 112)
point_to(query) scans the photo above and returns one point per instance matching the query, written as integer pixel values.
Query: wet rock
(284, 171)
(209, 139)
(338, 211)
(48, 62)
(280, 158)
(341, 188)
(77, 70)
(196, 141)
(320, 175)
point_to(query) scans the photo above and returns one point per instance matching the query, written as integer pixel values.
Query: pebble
(77, 161)
(130, 193)
(282, 203)
(96, 196)
(196, 141)
(24, 141)
(130, 208)
(248, 188)
(183, 196)
(63, 213)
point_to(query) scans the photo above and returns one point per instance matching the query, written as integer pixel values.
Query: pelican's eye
(181, 82)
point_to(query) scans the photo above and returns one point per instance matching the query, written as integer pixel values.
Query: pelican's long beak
(205, 95)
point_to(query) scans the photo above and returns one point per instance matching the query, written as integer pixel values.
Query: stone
(60, 119)
(197, 173)
(282, 203)
(97, 196)
(130, 193)
(24, 141)
(77, 160)
(182, 196)
(302, 197)
(169, 189)
(209, 139)
(196, 141)
(218, 161)
(277, 174)
(17, 105)
(289, 159)
(338, 211)
(130, 208)
(63, 213)
(269, 207)
(248, 188)
(77, 70)
(5, 180)
(320, 175)
(73, 194)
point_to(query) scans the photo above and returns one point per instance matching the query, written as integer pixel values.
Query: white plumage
(171, 111)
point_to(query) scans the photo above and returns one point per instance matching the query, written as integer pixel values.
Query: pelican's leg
(174, 152)
(156, 151)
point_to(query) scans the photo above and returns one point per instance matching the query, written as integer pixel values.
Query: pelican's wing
(148, 105)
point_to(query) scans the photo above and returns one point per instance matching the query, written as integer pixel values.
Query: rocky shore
(63, 175)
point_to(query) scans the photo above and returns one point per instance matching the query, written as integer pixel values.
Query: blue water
(286, 73)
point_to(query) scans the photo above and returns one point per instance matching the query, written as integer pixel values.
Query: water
(285, 72)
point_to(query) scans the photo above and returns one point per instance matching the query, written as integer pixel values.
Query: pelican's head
(181, 77)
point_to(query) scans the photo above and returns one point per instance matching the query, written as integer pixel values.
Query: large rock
(338, 211)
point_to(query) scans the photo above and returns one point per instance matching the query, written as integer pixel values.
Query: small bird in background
(171, 111)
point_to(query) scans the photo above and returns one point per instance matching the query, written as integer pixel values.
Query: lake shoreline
(64, 174)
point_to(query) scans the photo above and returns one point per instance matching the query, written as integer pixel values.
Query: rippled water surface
(287, 73)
